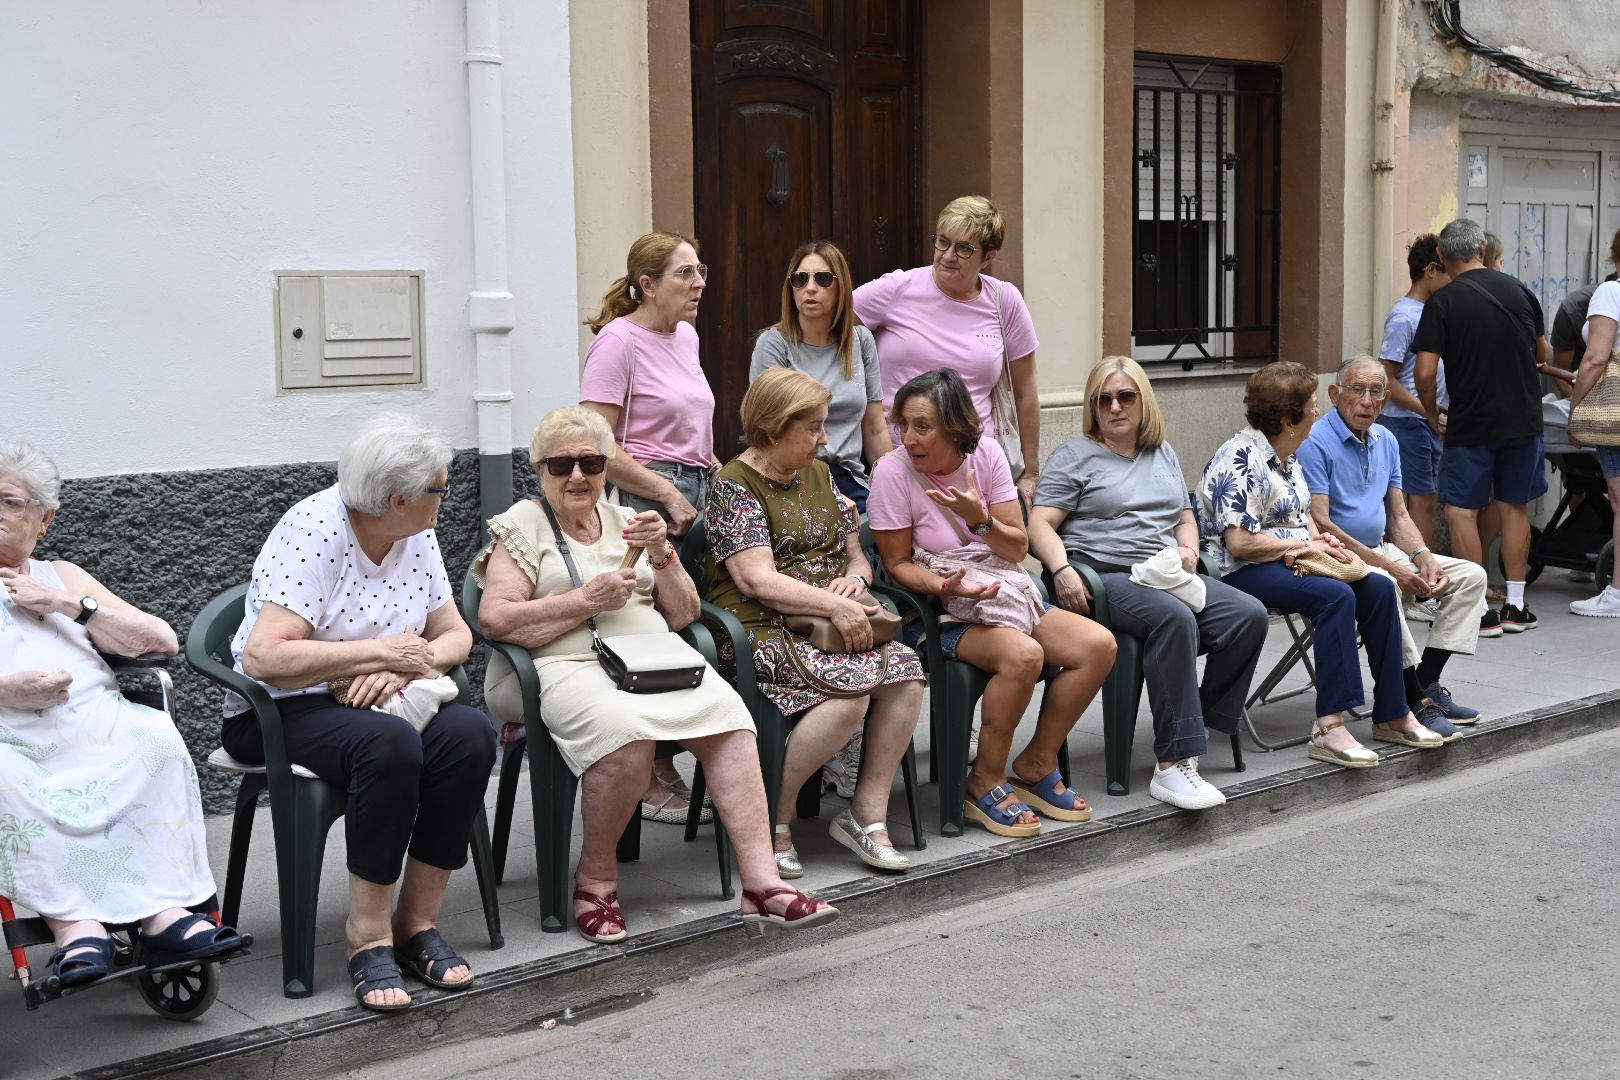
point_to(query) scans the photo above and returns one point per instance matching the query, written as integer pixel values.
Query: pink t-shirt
(897, 500)
(670, 414)
(918, 328)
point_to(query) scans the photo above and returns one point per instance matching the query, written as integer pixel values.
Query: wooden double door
(805, 128)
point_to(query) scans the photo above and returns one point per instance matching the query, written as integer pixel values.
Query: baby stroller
(1580, 533)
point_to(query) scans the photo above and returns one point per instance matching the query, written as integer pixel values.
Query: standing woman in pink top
(643, 375)
(953, 314)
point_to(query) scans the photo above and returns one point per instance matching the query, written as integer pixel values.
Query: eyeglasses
(685, 272)
(590, 464)
(442, 492)
(1372, 393)
(1126, 399)
(964, 250)
(800, 278)
(11, 506)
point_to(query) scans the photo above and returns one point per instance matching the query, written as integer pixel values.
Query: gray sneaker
(843, 771)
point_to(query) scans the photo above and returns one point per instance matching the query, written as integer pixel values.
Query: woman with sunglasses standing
(644, 377)
(953, 314)
(818, 335)
(1115, 498)
(606, 734)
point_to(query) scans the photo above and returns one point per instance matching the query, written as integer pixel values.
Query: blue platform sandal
(177, 945)
(95, 961)
(1044, 797)
(1001, 820)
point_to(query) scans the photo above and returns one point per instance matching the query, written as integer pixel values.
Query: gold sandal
(1358, 758)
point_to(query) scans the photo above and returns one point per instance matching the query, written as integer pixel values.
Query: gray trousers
(1231, 629)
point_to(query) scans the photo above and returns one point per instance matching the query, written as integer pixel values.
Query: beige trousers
(1456, 626)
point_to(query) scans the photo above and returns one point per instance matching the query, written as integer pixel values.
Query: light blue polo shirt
(1355, 476)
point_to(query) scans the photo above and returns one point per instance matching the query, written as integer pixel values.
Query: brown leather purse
(821, 632)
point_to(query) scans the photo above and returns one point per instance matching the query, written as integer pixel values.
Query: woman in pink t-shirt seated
(644, 377)
(946, 496)
(953, 314)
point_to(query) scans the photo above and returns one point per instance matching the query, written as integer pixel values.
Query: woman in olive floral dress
(784, 542)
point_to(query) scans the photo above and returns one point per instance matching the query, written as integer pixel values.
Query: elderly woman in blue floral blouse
(1254, 518)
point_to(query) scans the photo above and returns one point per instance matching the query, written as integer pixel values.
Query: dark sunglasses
(1126, 399)
(590, 464)
(800, 278)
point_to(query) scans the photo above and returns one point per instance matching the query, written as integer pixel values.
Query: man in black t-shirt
(1489, 328)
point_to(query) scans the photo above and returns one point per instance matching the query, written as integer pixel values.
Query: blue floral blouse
(1246, 485)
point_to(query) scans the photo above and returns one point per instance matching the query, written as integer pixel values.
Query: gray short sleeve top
(849, 396)
(1119, 510)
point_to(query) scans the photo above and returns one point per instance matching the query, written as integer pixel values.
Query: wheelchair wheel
(1605, 565)
(180, 993)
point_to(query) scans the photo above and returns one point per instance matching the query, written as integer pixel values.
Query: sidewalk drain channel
(574, 1016)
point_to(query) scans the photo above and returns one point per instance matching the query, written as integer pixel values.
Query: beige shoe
(1357, 757)
(1423, 738)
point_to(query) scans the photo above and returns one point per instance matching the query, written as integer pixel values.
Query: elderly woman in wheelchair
(100, 820)
(560, 568)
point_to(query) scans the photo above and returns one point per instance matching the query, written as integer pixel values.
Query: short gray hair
(1461, 241)
(37, 471)
(1350, 365)
(388, 455)
(570, 421)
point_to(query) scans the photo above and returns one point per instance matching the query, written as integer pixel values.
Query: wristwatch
(982, 528)
(87, 608)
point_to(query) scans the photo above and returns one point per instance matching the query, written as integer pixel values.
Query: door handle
(778, 193)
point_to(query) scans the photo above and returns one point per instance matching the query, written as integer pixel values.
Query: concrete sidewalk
(675, 884)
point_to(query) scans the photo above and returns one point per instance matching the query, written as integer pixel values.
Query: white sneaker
(1180, 785)
(842, 772)
(1605, 605)
(1421, 611)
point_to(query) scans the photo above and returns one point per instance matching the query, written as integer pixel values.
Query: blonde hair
(559, 425)
(776, 399)
(647, 258)
(976, 216)
(843, 325)
(1150, 432)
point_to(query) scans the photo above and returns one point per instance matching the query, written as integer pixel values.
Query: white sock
(1515, 591)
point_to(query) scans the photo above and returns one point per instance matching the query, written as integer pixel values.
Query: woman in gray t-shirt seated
(819, 336)
(1113, 498)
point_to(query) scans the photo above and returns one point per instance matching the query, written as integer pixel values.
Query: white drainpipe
(1383, 169)
(490, 305)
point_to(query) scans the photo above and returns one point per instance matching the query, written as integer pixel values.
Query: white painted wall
(163, 159)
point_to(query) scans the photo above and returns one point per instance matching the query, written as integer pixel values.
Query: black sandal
(428, 956)
(374, 969)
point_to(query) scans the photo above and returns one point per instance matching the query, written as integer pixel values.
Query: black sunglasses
(1126, 399)
(800, 278)
(590, 464)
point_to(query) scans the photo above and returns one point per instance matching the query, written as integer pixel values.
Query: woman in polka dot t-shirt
(350, 585)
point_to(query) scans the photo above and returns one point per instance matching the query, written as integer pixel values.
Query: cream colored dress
(588, 716)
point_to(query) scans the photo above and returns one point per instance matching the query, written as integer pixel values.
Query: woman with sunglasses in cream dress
(607, 735)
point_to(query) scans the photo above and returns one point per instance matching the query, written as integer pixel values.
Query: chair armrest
(278, 767)
(725, 625)
(1101, 610)
(143, 662)
(701, 638)
(528, 679)
(458, 675)
(1207, 567)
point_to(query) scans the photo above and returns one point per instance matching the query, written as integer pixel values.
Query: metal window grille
(1207, 200)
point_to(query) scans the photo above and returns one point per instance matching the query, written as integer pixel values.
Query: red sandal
(606, 913)
(802, 912)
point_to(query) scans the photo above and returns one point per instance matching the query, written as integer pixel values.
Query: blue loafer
(1044, 796)
(1457, 714)
(1003, 821)
(96, 962)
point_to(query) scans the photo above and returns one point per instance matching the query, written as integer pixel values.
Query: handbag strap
(629, 391)
(1487, 294)
(568, 561)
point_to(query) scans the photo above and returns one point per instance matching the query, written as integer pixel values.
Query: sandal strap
(428, 949)
(1323, 729)
(876, 826)
(990, 802)
(800, 906)
(375, 969)
(783, 830)
(606, 910)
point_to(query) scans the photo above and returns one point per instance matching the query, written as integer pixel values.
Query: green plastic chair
(553, 785)
(771, 726)
(303, 807)
(1122, 690)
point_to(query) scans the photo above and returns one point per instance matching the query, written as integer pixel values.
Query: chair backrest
(209, 638)
(472, 595)
(694, 549)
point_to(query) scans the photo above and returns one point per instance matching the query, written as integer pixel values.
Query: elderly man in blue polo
(1353, 469)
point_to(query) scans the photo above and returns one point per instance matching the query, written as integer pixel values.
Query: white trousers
(1456, 626)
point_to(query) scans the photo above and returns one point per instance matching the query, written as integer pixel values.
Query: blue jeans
(1337, 609)
(689, 480)
(851, 488)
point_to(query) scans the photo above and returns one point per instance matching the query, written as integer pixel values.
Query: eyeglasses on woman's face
(687, 272)
(589, 464)
(800, 279)
(963, 249)
(13, 506)
(1126, 399)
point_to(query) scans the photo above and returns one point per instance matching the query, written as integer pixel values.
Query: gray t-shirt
(1120, 510)
(849, 396)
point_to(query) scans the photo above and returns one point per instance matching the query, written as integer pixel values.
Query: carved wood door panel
(804, 124)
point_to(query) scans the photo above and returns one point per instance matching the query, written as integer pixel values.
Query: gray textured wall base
(170, 542)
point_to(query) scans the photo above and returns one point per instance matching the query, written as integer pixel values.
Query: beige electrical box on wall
(348, 328)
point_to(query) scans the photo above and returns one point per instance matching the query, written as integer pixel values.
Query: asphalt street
(1462, 926)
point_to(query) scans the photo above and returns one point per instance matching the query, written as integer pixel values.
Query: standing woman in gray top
(1115, 497)
(819, 336)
